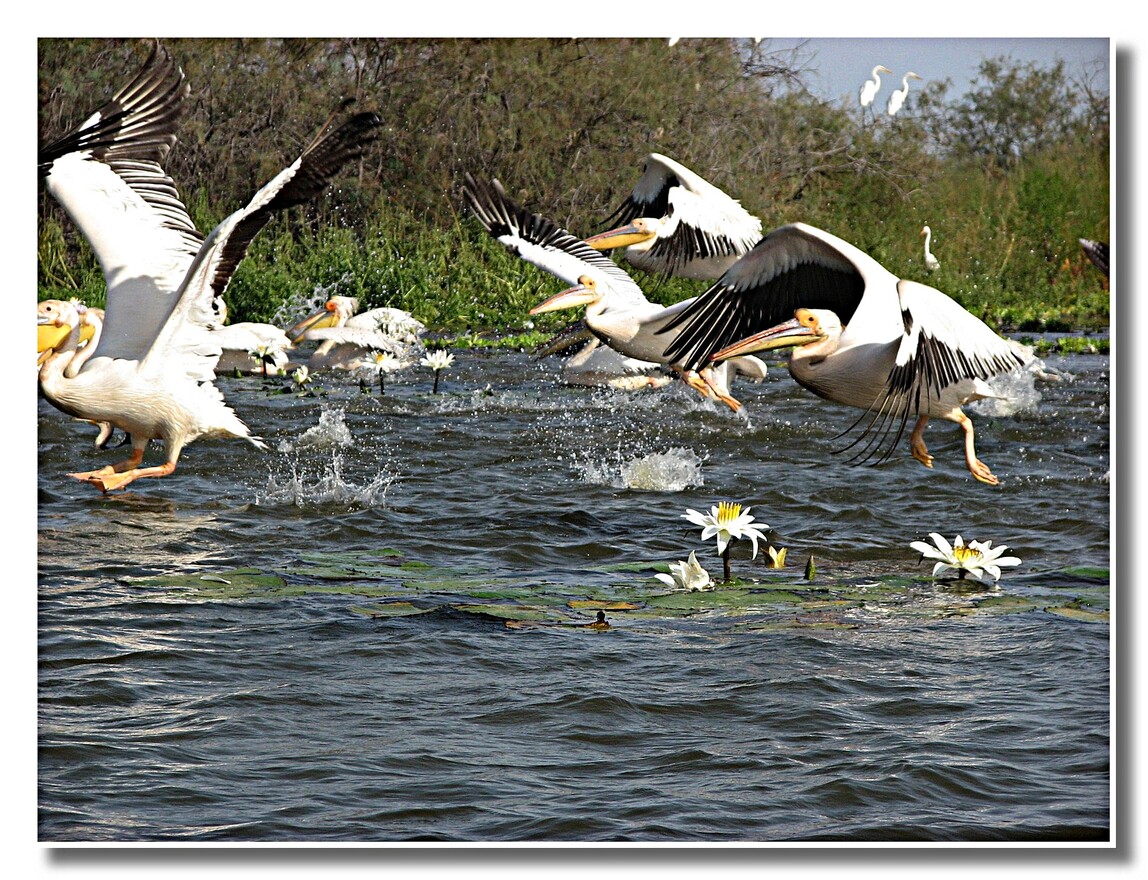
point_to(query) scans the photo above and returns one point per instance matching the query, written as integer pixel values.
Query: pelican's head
(807, 327)
(54, 322)
(584, 293)
(641, 230)
(334, 313)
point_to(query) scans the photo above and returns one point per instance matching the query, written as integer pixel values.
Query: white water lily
(439, 359)
(978, 558)
(383, 361)
(688, 575)
(726, 521)
(301, 376)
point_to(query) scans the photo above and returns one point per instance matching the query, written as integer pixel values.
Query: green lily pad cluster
(383, 585)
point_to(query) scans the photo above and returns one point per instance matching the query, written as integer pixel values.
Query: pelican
(346, 338)
(677, 223)
(54, 326)
(931, 262)
(864, 337)
(151, 372)
(869, 90)
(898, 97)
(1097, 253)
(242, 343)
(595, 364)
(617, 311)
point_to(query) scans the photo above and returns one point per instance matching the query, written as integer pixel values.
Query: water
(377, 631)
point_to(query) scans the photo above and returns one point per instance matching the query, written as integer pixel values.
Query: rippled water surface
(378, 630)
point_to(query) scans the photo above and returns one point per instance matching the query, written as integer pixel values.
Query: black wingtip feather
(139, 122)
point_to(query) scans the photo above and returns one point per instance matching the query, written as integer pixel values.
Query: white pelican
(54, 325)
(242, 342)
(865, 338)
(898, 97)
(931, 262)
(871, 86)
(677, 223)
(346, 339)
(617, 311)
(596, 364)
(151, 373)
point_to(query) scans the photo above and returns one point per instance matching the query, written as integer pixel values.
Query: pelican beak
(325, 317)
(49, 336)
(623, 236)
(568, 336)
(579, 295)
(785, 335)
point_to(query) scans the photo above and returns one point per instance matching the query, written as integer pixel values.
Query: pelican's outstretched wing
(943, 345)
(542, 242)
(106, 174)
(227, 244)
(792, 267)
(698, 220)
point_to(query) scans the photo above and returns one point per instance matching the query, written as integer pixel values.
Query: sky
(842, 64)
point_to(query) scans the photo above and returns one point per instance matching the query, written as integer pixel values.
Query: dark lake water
(377, 631)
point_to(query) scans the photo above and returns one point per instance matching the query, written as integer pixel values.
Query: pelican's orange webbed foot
(707, 389)
(88, 475)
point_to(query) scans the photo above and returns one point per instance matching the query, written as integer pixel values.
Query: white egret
(151, 373)
(676, 222)
(617, 311)
(866, 338)
(871, 86)
(931, 262)
(898, 97)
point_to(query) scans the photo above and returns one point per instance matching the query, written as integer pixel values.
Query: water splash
(674, 470)
(329, 484)
(1017, 390)
(297, 307)
(331, 432)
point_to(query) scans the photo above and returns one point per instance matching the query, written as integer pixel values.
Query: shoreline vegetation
(1009, 175)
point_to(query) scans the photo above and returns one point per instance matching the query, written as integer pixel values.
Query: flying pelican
(677, 223)
(596, 364)
(931, 262)
(871, 86)
(346, 338)
(898, 97)
(617, 311)
(892, 347)
(242, 343)
(151, 373)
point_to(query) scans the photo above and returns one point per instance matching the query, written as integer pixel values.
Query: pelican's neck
(56, 367)
(82, 355)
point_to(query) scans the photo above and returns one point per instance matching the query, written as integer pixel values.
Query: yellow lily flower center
(965, 554)
(727, 512)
